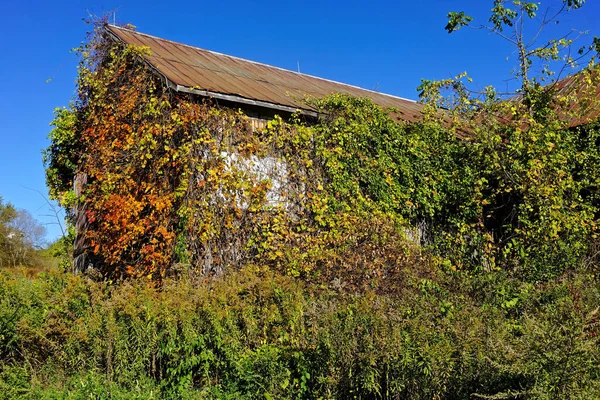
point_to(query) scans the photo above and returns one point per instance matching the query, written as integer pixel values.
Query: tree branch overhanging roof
(206, 73)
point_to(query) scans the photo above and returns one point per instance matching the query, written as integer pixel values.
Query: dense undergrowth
(257, 334)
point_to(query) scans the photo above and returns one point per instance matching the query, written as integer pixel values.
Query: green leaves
(532, 209)
(574, 4)
(62, 156)
(258, 335)
(596, 45)
(456, 20)
(502, 16)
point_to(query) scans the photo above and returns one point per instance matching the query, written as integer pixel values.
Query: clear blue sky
(382, 45)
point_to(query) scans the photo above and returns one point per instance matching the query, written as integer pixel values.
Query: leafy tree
(61, 157)
(7, 214)
(20, 236)
(510, 20)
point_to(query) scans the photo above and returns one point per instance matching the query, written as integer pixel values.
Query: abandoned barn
(109, 230)
(198, 159)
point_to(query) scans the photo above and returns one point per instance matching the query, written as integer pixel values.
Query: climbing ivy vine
(170, 187)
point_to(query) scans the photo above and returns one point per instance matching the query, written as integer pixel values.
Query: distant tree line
(21, 236)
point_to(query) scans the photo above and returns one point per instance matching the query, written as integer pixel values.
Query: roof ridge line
(263, 64)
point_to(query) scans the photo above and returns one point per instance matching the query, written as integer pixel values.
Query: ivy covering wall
(509, 186)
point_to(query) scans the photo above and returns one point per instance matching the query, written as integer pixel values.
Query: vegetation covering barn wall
(163, 188)
(169, 181)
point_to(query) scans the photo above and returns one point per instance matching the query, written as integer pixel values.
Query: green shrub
(257, 334)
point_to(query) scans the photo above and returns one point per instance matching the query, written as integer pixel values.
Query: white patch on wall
(259, 169)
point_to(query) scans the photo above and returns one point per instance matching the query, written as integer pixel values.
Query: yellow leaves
(249, 147)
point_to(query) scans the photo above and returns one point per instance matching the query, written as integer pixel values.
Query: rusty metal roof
(207, 73)
(582, 91)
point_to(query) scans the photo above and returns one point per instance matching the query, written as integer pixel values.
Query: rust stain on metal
(193, 69)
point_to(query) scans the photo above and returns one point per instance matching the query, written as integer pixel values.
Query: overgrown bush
(256, 334)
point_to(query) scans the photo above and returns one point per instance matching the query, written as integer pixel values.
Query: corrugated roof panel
(171, 52)
(164, 66)
(195, 68)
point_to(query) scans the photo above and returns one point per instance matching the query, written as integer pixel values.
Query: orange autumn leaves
(131, 184)
(146, 154)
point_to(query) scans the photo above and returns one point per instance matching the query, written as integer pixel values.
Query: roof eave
(238, 99)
